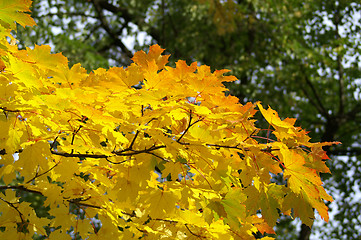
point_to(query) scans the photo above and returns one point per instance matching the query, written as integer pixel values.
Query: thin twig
(21, 188)
(197, 235)
(76, 202)
(41, 174)
(125, 152)
(266, 149)
(318, 99)
(73, 138)
(190, 124)
(132, 143)
(16, 208)
(107, 28)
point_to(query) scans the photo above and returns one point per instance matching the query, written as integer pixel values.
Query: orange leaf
(155, 51)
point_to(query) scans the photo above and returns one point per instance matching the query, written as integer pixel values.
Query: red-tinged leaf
(317, 156)
(264, 228)
(304, 181)
(299, 176)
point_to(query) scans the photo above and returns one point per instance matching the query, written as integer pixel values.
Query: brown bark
(305, 232)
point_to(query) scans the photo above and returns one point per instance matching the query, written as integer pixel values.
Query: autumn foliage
(148, 151)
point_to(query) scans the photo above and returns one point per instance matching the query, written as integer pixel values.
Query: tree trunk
(305, 232)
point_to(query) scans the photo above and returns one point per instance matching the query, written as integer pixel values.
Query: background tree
(301, 56)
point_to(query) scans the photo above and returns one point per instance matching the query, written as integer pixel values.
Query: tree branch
(105, 25)
(79, 155)
(267, 149)
(198, 236)
(9, 110)
(65, 14)
(131, 17)
(190, 124)
(41, 174)
(21, 188)
(125, 152)
(16, 208)
(78, 203)
(319, 109)
(133, 141)
(319, 104)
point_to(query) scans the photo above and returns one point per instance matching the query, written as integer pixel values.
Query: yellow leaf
(35, 156)
(8, 173)
(285, 128)
(11, 11)
(155, 51)
(162, 203)
(304, 181)
(13, 141)
(44, 60)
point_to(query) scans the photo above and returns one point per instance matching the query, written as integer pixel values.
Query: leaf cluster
(147, 151)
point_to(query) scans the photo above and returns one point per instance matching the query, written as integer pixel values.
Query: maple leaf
(155, 51)
(44, 60)
(304, 181)
(162, 202)
(15, 11)
(37, 158)
(285, 128)
(232, 203)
